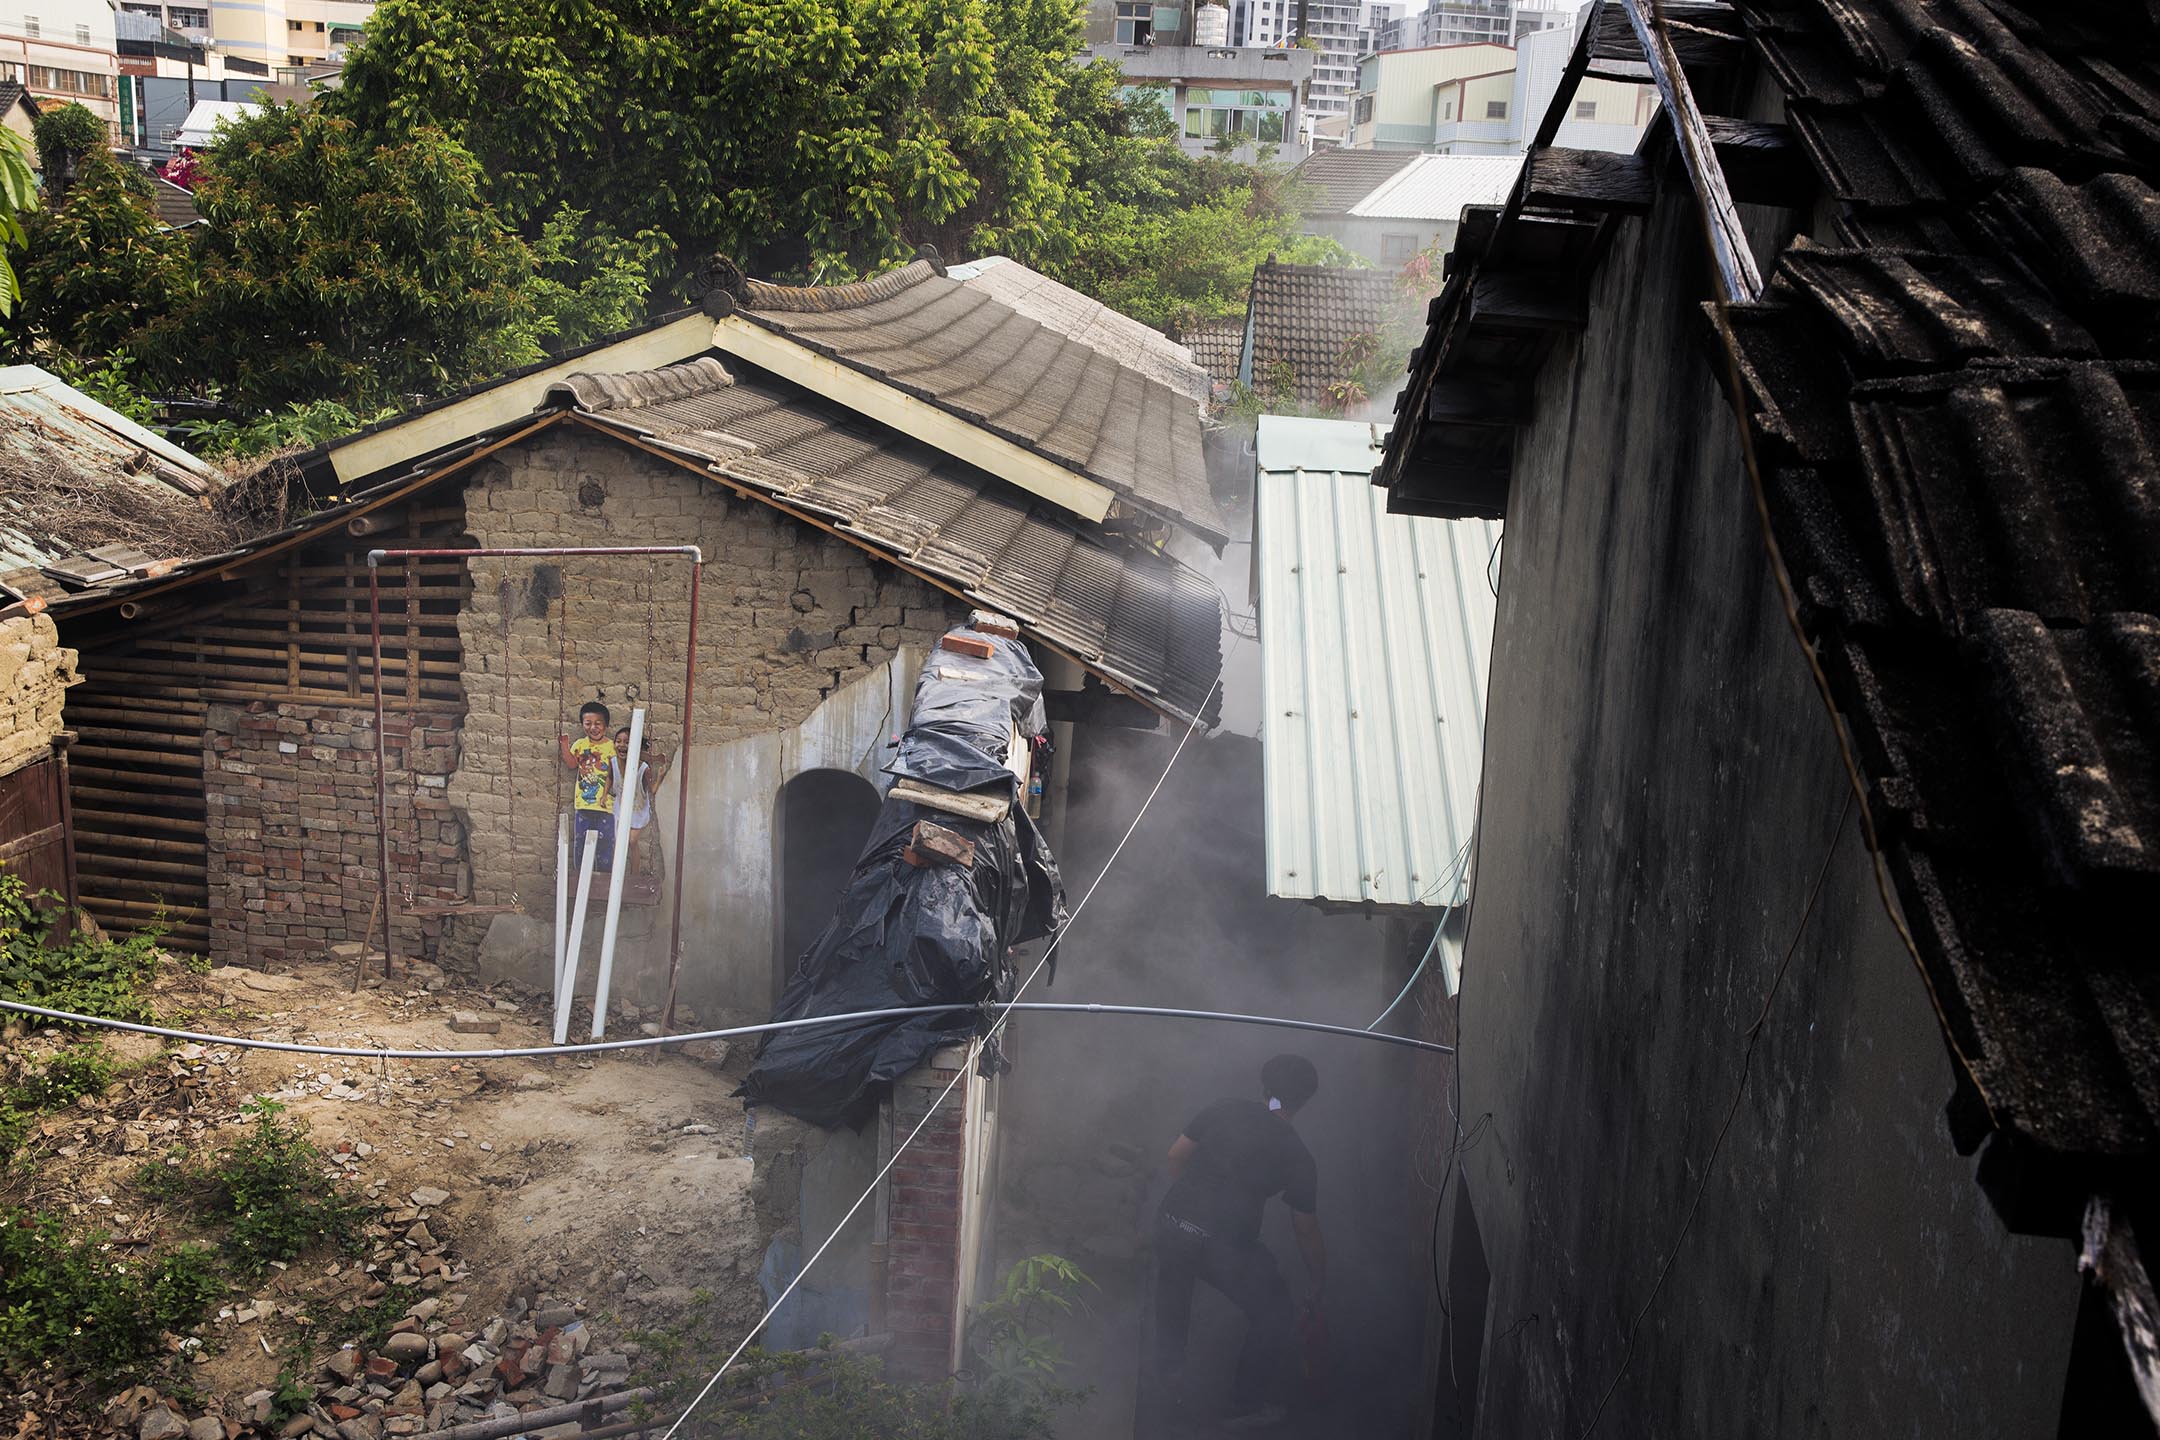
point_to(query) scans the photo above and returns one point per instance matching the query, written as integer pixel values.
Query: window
(82, 34)
(32, 26)
(181, 17)
(1135, 22)
(1586, 109)
(1396, 249)
(1447, 111)
(1207, 122)
(292, 25)
(1496, 109)
(318, 27)
(1363, 114)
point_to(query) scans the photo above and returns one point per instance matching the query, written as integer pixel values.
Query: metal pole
(682, 799)
(618, 880)
(382, 773)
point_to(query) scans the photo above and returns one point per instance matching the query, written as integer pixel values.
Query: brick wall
(922, 1293)
(291, 826)
(788, 615)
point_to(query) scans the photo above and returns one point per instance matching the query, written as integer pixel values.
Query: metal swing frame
(696, 557)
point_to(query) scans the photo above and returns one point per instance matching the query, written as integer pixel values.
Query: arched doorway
(823, 819)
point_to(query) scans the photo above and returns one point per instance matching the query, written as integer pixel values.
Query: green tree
(825, 138)
(98, 265)
(64, 138)
(18, 195)
(333, 269)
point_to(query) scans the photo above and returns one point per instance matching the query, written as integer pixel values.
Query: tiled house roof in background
(174, 204)
(1962, 427)
(1304, 315)
(1215, 347)
(1089, 321)
(1338, 179)
(963, 350)
(13, 93)
(1137, 616)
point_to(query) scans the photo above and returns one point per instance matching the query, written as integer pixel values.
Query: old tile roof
(1130, 613)
(13, 93)
(1339, 179)
(1304, 315)
(1958, 411)
(1215, 346)
(1963, 462)
(962, 349)
(1089, 321)
(175, 204)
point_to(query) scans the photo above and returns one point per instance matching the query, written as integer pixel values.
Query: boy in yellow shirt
(592, 808)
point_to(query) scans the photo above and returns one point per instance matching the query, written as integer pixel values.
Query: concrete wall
(35, 671)
(1661, 792)
(807, 649)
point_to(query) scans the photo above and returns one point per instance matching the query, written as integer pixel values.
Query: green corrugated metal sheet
(1375, 636)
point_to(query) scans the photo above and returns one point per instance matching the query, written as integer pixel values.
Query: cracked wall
(799, 633)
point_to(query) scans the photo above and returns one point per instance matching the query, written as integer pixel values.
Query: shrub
(89, 975)
(75, 1301)
(273, 1193)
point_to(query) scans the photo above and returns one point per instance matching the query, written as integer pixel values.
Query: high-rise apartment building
(1474, 22)
(1331, 26)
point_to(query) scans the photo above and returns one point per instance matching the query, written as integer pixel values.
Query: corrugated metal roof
(1437, 187)
(1375, 635)
(199, 129)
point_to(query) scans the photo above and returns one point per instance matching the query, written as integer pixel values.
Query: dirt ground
(617, 1185)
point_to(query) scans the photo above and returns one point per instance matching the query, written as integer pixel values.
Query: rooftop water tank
(1211, 25)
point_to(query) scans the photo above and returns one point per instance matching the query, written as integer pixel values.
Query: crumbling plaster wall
(798, 635)
(35, 671)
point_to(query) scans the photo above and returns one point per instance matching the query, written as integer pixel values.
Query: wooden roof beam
(1463, 400)
(1596, 182)
(1737, 274)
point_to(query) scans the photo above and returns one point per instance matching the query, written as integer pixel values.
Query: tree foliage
(821, 137)
(18, 195)
(334, 269)
(65, 137)
(98, 265)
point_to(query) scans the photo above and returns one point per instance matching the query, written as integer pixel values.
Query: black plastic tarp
(908, 934)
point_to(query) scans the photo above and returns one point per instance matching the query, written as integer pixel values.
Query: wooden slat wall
(295, 631)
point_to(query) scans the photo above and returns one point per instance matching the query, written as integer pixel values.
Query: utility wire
(999, 1024)
(354, 1052)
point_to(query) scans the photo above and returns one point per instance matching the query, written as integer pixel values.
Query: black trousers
(1246, 1276)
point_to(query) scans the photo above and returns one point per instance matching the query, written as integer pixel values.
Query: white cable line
(991, 1034)
(1454, 875)
(243, 1042)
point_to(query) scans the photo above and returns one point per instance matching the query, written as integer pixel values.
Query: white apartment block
(1331, 25)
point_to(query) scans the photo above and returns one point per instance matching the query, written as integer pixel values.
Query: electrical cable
(938, 1102)
(541, 1052)
(1453, 877)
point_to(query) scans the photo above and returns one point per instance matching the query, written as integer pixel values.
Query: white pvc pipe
(566, 986)
(562, 898)
(618, 880)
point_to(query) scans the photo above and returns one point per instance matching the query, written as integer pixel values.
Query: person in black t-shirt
(1230, 1159)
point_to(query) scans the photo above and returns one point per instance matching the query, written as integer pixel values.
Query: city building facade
(63, 50)
(1246, 96)
(1331, 26)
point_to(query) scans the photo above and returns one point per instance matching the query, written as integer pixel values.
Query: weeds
(76, 1301)
(63, 1079)
(89, 975)
(270, 1191)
